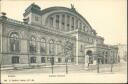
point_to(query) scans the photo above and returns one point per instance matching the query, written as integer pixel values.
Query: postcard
(63, 41)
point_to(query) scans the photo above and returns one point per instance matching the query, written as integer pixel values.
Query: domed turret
(33, 14)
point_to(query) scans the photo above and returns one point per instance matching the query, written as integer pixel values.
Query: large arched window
(57, 21)
(89, 53)
(59, 49)
(51, 47)
(32, 47)
(14, 41)
(51, 21)
(43, 46)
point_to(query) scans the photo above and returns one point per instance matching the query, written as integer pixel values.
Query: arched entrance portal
(89, 53)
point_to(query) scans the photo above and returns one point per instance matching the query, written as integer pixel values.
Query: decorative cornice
(102, 46)
(38, 28)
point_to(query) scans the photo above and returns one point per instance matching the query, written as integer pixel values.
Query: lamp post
(52, 62)
(98, 65)
(66, 65)
(98, 61)
(112, 60)
(111, 66)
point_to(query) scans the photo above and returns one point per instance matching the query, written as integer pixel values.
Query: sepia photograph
(63, 41)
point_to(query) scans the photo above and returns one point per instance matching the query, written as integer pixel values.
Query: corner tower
(32, 15)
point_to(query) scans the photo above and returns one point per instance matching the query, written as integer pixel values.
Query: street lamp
(98, 61)
(98, 64)
(66, 64)
(51, 59)
(52, 62)
(112, 61)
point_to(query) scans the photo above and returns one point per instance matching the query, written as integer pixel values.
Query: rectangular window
(15, 60)
(33, 59)
(36, 18)
(32, 49)
(42, 59)
(72, 59)
(59, 60)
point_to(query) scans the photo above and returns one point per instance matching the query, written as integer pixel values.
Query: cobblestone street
(75, 72)
(71, 69)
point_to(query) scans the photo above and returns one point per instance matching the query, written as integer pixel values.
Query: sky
(107, 17)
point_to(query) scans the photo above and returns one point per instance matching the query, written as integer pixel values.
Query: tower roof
(32, 8)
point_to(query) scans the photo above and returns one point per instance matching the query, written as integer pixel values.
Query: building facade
(122, 51)
(44, 34)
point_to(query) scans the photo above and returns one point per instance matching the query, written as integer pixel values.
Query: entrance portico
(90, 57)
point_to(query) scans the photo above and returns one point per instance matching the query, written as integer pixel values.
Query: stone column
(56, 46)
(77, 50)
(54, 21)
(82, 26)
(60, 22)
(109, 57)
(47, 45)
(76, 23)
(70, 25)
(64, 22)
(86, 61)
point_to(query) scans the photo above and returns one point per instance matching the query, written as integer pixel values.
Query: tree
(68, 48)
